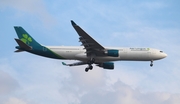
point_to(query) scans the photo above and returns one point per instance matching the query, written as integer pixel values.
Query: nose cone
(164, 55)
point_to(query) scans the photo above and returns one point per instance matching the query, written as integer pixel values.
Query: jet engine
(113, 53)
(106, 65)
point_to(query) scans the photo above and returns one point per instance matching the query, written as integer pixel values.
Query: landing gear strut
(151, 63)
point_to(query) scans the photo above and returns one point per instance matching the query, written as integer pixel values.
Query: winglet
(64, 63)
(73, 23)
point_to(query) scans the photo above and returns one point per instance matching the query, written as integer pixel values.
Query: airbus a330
(91, 52)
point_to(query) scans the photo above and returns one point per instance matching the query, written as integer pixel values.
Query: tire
(86, 70)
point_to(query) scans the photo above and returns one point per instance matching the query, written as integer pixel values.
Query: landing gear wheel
(87, 69)
(91, 67)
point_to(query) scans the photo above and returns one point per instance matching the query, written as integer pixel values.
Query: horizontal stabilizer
(23, 45)
(18, 50)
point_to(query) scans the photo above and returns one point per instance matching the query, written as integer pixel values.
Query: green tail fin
(25, 37)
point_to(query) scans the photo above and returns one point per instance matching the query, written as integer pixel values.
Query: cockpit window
(161, 51)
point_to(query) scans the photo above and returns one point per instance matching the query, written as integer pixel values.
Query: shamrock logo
(26, 39)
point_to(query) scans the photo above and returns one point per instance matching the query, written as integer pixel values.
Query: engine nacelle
(106, 65)
(113, 53)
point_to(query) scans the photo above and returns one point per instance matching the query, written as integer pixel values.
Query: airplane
(90, 52)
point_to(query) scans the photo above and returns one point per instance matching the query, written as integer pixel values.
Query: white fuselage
(125, 54)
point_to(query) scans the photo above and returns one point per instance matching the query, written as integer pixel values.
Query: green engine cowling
(106, 65)
(113, 53)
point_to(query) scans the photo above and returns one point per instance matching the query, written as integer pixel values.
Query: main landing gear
(90, 67)
(151, 63)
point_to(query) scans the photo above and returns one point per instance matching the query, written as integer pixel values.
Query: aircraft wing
(92, 47)
(75, 64)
